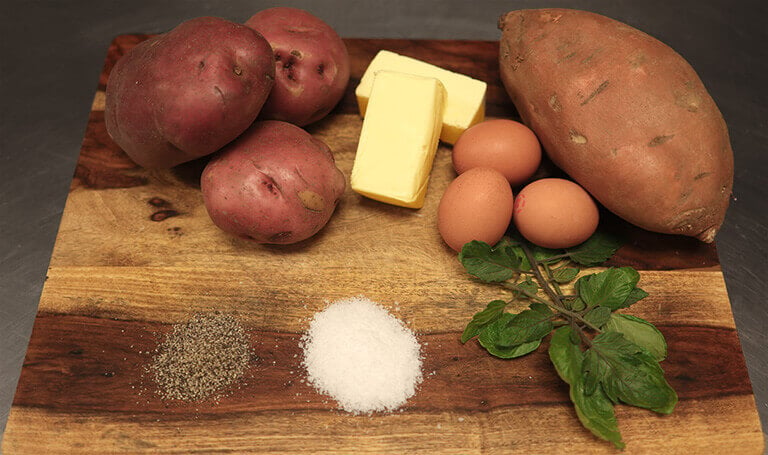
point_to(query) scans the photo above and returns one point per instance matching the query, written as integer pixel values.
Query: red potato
(623, 114)
(187, 93)
(274, 184)
(311, 65)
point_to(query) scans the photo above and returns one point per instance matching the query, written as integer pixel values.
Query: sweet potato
(188, 92)
(623, 114)
(274, 184)
(311, 64)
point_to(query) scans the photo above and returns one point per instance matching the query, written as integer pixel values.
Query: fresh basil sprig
(606, 357)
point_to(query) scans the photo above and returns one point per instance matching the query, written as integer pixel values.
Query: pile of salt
(362, 356)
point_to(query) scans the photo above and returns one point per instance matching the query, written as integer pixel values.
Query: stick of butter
(465, 101)
(399, 138)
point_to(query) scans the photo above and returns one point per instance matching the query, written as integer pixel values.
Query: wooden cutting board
(136, 253)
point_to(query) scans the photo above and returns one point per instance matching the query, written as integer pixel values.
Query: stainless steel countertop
(52, 53)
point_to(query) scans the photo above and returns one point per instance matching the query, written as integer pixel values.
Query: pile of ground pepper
(201, 358)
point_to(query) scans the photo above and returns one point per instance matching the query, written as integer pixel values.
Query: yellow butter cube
(465, 96)
(399, 138)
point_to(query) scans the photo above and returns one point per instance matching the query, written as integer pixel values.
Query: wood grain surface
(136, 253)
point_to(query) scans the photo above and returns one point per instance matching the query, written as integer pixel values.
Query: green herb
(605, 357)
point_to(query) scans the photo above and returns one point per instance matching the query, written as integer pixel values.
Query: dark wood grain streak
(102, 163)
(646, 250)
(89, 364)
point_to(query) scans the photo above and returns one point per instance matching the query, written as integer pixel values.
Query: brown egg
(505, 145)
(477, 205)
(555, 213)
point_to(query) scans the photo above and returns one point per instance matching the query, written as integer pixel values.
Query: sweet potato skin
(188, 92)
(275, 184)
(623, 114)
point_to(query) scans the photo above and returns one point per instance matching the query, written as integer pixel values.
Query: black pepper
(201, 358)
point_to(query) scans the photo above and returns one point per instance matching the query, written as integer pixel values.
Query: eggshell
(477, 205)
(504, 145)
(555, 213)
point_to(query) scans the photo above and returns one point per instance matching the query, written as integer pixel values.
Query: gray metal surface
(52, 53)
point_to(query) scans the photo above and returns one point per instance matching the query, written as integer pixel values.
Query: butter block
(465, 97)
(399, 138)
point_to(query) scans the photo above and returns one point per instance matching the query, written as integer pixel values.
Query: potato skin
(311, 64)
(187, 93)
(274, 184)
(623, 114)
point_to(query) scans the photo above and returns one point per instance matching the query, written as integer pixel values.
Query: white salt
(363, 357)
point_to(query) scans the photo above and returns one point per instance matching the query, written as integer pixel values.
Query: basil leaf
(640, 332)
(542, 254)
(489, 264)
(575, 338)
(528, 326)
(565, 274)
(529, 286)
(595, 411)
(512, 352)
(609, 288)
(541, 308)
(491, 332)
(598, 316)
(525, 264)
(594, 371)
(595, 250)
(518, 252)
(578, 304)
(566, 355)
(506, 241)
(628, 373)
(634, 296)
(491, 312)
(489, 339)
